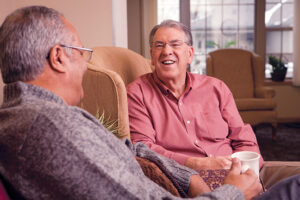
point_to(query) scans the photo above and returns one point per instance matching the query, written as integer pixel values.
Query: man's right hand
(247, 182)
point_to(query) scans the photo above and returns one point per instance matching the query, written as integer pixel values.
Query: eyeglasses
(174, 44)
(85, 52)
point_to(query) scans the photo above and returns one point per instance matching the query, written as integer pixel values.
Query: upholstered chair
(109, 72)
(243, 72)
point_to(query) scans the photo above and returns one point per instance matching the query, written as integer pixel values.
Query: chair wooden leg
(274, 131)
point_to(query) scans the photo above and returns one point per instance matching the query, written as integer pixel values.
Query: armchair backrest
(126, 63)
(109, 72)
(240, 69)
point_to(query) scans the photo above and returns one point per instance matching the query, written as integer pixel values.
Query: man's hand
(197, 186)
(219, 162)
(247, 182)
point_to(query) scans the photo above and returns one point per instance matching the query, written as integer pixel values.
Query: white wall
(93, 19)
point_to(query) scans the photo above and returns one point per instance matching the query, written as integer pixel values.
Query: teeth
(168, 62)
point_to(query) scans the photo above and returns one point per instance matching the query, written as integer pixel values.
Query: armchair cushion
(264, 92)
(274, 171)
(255, 104)
(213, 178)
(153, 172)
(235, 71)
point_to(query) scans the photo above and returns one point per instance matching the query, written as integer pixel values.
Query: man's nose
(167, 49)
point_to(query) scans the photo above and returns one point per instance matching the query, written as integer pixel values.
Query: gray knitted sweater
(49, 150)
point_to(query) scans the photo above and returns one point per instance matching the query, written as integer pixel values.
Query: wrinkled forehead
(169, 34)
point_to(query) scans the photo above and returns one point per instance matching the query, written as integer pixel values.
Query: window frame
(260, 28)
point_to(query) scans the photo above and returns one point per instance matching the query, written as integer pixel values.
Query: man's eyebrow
(175, 40)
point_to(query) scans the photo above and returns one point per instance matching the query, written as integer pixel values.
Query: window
(220, 24)
(167, 9)
(279, 32)
(231, 23)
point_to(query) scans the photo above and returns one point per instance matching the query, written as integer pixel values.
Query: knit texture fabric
(49, 150)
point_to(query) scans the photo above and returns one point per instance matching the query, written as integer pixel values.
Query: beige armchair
(109, 72)
(243, 72)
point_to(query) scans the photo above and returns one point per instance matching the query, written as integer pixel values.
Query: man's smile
(168, 62)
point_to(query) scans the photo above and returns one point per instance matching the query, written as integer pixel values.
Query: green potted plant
(278, 68)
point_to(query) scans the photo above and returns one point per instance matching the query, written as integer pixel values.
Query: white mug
(249, 160)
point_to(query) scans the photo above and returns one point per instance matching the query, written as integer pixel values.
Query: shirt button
(188, 122)
(196, 143)
(180, 103)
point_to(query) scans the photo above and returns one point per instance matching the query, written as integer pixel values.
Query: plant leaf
(110, 125)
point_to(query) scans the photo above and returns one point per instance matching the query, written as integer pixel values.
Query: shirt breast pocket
(217, 128)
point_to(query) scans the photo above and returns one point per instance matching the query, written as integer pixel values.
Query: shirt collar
(166, 91)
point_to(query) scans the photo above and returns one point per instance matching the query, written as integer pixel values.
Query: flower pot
(278, 76)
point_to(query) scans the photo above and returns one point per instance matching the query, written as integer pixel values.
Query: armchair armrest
(264, 92)
(274, 171)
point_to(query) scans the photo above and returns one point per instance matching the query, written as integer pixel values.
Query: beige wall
(98, 22)
(92, 18)
(288, 103)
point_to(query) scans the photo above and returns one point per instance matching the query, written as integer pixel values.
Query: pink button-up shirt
(203, 121)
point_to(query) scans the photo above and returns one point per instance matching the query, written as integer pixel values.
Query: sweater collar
(20, 90)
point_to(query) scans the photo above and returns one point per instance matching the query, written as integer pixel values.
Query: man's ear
(57, 58)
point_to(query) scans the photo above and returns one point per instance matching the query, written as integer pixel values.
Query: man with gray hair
(51, 149)
(190, 118)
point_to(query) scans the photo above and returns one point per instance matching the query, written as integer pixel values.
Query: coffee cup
(249, 160)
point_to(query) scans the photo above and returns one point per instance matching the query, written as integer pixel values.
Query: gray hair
(26, 38)
(172, 24)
